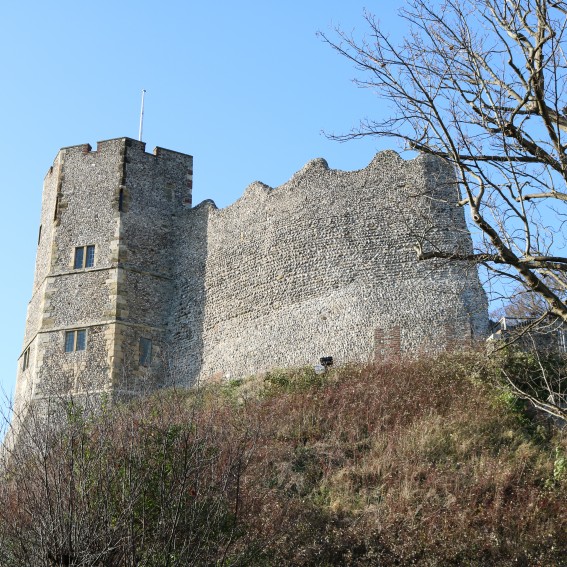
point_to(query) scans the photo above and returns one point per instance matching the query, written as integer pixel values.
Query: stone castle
(136, 289)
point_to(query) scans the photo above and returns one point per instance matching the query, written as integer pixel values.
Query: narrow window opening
(145, 351)
(89, 261)
(39, 235)
(81, 342)
(26, 359)
(79, 257)
(121, 200)
(69, 341)
(56, 212)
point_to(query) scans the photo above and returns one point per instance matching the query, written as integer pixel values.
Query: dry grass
(419, 463)
(410, 463)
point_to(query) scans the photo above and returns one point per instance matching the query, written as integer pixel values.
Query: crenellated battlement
(112, 143)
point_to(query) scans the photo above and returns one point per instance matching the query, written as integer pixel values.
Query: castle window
(145, 351)
(56, 211)
(79, 257)
(89, 260)
(26, 359)
(84, 257)
(75, 340)
(39, 235)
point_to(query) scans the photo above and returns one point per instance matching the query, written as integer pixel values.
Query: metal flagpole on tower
(141, 116)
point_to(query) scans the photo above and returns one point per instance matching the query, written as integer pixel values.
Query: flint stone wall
(321, 266)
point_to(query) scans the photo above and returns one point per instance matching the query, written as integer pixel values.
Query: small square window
(84, 257)
(145, 351)
(75, 340)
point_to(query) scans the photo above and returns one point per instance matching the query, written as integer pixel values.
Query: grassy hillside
(413, 463)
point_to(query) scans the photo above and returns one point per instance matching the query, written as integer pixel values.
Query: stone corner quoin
(135, 289)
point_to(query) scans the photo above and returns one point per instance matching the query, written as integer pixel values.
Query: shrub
(405, 463)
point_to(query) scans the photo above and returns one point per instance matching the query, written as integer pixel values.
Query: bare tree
(151, 483)
(481, 84)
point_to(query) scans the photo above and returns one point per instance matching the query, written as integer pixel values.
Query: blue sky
(245, 87)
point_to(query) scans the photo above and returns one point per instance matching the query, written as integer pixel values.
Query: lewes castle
(136, 289)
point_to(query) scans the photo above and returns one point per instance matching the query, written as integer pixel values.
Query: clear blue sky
(245, 87)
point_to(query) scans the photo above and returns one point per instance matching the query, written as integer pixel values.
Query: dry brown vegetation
(413, 463)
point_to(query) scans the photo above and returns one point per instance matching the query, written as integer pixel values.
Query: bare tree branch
(482, 85)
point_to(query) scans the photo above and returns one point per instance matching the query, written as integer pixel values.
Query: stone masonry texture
(324, 265)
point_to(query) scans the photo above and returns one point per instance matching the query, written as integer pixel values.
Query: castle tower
(100, 304)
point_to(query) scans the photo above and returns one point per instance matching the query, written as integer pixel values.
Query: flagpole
(141, 116)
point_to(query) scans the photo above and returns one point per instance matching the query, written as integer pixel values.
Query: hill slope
(411, 463)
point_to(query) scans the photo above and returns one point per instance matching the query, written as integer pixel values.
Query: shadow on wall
(184, 345)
